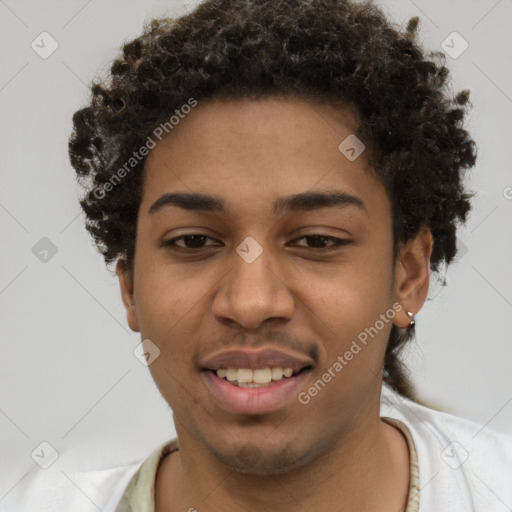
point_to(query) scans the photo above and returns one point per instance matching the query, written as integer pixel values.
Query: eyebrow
(296, 203)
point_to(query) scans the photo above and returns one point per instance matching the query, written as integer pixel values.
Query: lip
(255, 358)
(240, 400)
(261, 400)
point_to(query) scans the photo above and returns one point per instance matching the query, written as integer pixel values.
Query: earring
(412, 323)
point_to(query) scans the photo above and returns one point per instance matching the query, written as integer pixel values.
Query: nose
(253, 293)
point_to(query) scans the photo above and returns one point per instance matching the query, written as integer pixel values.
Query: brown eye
(320, 242)
(192, 241)
(196, 241)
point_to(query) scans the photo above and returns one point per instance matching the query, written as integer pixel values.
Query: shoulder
(458, 458)
(69, 485)
(63, 488)
(139, 494)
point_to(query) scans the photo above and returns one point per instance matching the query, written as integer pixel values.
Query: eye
(195, 240)
(319, 239)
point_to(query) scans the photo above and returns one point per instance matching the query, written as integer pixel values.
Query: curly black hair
(334, 51)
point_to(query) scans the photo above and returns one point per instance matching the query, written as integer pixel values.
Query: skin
(334, 453)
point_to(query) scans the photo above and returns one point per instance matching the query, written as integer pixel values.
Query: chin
(252, 459)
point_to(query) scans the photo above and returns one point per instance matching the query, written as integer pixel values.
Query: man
(275, 181)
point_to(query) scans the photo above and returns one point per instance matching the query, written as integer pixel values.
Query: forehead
(251, 152)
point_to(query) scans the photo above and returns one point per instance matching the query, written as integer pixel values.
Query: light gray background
(67, 370)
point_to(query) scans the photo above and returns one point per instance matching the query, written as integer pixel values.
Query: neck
(364, 468)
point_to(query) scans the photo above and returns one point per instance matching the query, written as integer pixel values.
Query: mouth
(251, 381)
(254, 391)
(255, 381)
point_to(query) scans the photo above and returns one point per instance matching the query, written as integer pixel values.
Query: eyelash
(337, 242)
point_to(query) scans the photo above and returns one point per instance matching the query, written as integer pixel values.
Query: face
(292, 252)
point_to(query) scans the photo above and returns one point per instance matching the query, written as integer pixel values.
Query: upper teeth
(258, 376)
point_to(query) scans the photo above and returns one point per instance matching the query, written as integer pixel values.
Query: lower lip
(240, 400)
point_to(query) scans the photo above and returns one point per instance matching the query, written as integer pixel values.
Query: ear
(125, 277)
(412, 274)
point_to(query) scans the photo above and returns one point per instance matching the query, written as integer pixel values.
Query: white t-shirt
(463, 467)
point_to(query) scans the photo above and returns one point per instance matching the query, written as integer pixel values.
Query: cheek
(354, 291)
(170, 317)
(352, 339)
(167, 296)
(348, 306)
(343, 312)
